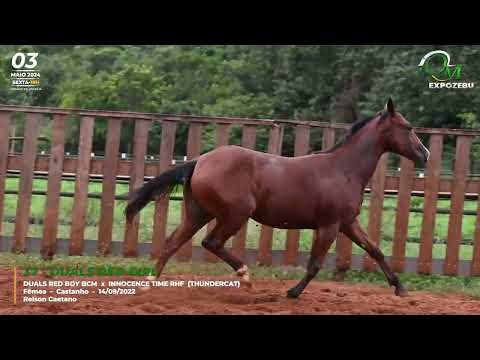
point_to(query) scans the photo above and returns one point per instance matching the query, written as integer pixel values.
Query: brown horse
(321, 191)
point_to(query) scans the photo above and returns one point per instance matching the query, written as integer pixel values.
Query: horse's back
(225, 157)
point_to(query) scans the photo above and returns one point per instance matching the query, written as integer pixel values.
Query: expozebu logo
(436, 65)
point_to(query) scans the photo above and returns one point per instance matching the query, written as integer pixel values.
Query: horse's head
(398, 136)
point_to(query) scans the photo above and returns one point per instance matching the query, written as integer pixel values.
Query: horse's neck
(359, 158)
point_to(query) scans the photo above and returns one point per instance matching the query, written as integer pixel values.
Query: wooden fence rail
(84, 168)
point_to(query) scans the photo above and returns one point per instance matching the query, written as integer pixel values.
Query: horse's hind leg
(355, 232)
(323, 240)
(195, 218)
(216, 239)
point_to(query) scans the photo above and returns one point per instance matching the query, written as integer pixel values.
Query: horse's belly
(286, 217)
(301, 211)
(285, 223)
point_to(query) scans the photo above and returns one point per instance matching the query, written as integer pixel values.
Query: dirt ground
(266, 297)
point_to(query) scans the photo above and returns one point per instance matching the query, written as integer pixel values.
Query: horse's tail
(158, 187)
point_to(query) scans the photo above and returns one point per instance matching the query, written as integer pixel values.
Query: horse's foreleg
(355, 232)
(322, 242)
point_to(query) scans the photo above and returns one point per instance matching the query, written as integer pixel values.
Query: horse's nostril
(422, 156)
(428, 154)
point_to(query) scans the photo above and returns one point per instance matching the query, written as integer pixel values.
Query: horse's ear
(390, 107)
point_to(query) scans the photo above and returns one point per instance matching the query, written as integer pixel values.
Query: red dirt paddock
(266, 297)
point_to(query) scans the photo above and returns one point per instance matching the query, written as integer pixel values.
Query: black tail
(158, 187)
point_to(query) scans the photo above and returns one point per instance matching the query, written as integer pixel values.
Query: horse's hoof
(244, 276)
(292, 294)
(247, 284)
(149, 279)
(402, 292)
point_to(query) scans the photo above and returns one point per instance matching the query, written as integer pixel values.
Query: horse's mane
(353, 130)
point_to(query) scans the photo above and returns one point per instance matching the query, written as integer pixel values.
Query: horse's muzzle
(421, 157)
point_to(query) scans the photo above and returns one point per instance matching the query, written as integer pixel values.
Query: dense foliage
(323, 82)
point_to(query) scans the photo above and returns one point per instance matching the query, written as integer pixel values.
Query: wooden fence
(55, 165)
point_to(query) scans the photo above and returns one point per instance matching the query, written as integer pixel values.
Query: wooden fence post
(55, 170)
(407, 174)
(80, 199)
(110, 162)
(432, 184)
(328, 139)
(462, 168)
(4, 128)
(376, 209)
(137, 175)
(32, 124)
(161, 206)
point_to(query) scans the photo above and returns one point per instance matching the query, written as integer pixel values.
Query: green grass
(413, 282)
(253, 235)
